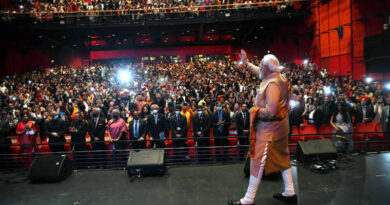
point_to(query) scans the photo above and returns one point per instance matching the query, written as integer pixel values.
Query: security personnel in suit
(178, 125)
(78, 129)
(55, 129)
(96, 130)
(201, 123)
(221, 123)
(157, 128)
(137, 131)
(243, 127)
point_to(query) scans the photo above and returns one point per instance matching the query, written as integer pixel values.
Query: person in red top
(28, 135)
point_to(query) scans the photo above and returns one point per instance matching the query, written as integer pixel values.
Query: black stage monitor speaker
(313, 150)
(50, 168)
(148, 162)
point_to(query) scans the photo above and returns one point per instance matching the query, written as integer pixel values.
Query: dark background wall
(317, 39)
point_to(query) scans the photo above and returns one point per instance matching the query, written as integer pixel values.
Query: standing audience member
(178, 125)
(363, 111)
(28, 135)
(78, 128)
(201, 123)
(55, 129)
(117, 131)
(5, 141)
(96, 130)
(243, 127)
(137, 131)
(157, 128)
(221, 123)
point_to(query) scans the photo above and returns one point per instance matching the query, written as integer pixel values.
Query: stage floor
(364, 180)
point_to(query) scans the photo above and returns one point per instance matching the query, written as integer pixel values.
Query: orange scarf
(252, 136)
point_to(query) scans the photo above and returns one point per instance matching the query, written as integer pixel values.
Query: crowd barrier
(192, 153)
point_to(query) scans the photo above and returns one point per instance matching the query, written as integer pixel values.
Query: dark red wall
(21, 57)
(167, 51)
(19, 60)
(358, 18)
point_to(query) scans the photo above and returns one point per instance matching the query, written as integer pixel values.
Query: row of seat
(303, 133)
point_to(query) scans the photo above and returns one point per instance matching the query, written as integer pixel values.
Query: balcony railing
(229, 11)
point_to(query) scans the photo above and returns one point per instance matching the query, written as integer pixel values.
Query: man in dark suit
(55, 129)
(157, 128)
(221, 123)
(243, 127)
(96, 130)
(178, 125)
(295, 115)
(363, 112)
(327, 110)
(137, 131)
(316, 116)
(201, 123)
(78, 129)
(5, 141)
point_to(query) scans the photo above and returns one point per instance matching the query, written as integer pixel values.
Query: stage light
(387, 86)
(327, 90)
(369, 80)
(175, 60)
(294, 103)
(124, 76)
(268, 51)
(52, 61)
(21, 6)
(305, 62)
(29, 81)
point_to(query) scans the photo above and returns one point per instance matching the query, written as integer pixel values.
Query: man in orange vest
(269, 130)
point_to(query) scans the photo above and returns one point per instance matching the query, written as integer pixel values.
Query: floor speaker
(314, 150)
(148, 162)
(50, 168)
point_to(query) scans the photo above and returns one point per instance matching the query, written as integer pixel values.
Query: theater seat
(306, 130)
(44, 148)
(233, 150)
(380, 138)
(15, 148)
(325, 129)
(359, 136)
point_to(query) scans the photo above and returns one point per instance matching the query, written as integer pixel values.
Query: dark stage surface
(364, 180)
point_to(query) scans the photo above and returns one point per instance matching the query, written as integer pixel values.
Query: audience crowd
(149, 103)
(158, 6)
